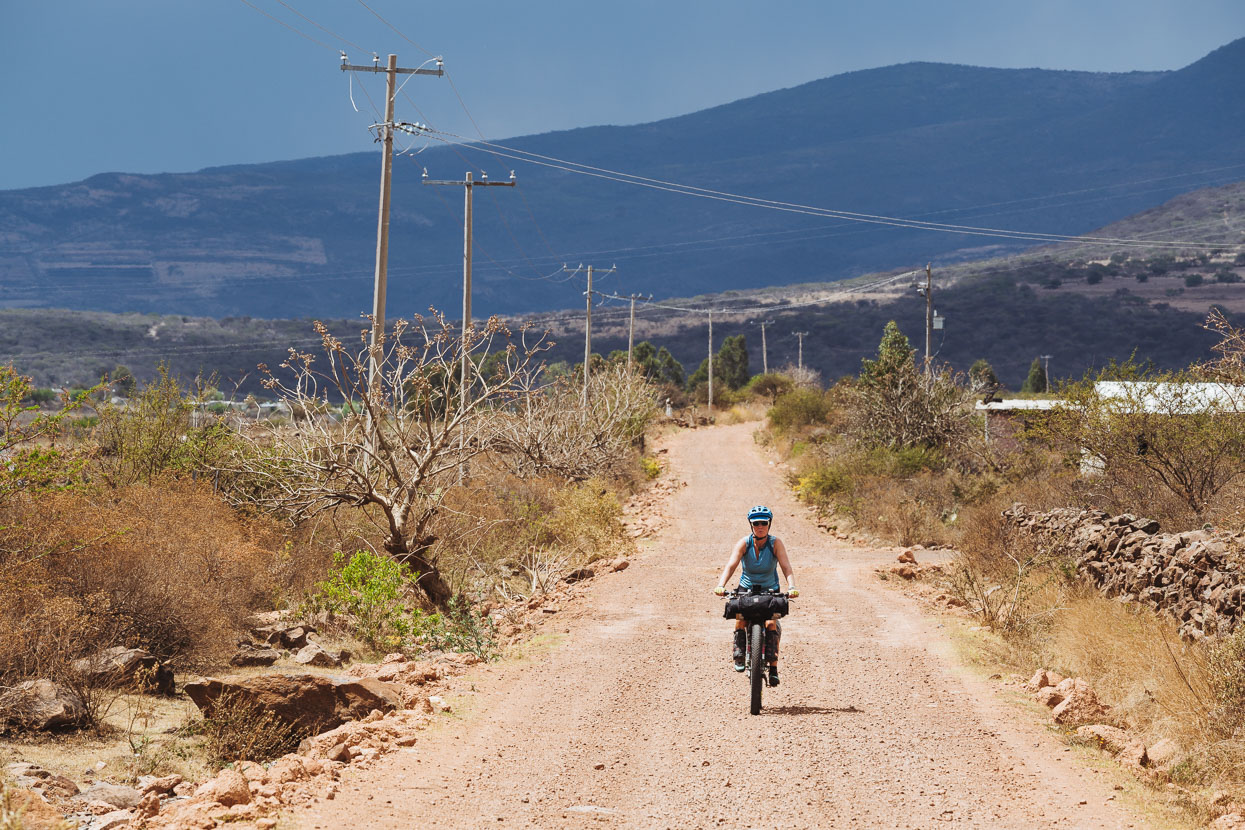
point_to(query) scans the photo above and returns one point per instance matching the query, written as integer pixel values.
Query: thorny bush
(155, 433)
(550, 430)
(166, 567)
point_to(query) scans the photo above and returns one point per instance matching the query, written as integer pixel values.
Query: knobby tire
(756, 664)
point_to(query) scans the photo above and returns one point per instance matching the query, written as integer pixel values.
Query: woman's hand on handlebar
(793, 592)
(720, 590)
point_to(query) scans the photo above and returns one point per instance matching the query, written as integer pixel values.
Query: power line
(281, 22)
(322, 28)
(531, 213)
(395, 29)
(792, 207)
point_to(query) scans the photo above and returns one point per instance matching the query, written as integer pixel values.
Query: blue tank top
(760, 568)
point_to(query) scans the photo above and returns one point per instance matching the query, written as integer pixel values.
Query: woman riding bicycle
(761, 554)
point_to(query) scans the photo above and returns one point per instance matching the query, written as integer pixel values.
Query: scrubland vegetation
(394, 508)
(900, 455)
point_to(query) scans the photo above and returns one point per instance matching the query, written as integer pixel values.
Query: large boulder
(130, 668)
(313, 703)
(41, 705)
(250, 654)
(34, 813)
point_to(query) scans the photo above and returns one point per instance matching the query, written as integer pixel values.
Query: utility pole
(631, 326)
(392, 71)
(588, 324)
(927, 291)
(711, 361)
(801, 335)
(764, 348)
(468, 185)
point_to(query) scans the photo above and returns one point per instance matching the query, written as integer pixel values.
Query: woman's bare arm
(731, 564)
(780, 552)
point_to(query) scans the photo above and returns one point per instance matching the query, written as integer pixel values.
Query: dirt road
(634, 718)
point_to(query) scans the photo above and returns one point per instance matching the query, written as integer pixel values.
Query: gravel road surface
(632, 717)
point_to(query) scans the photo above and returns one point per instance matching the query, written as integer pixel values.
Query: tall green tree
(1035, 383)
(894, 404)
(981, 376)
(733, 362)
(669, 370)
(730, 365)
(894, 355)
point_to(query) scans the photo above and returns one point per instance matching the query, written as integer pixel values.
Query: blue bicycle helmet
(760, 512)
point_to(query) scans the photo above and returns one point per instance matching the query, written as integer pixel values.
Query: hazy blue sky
(175, 85)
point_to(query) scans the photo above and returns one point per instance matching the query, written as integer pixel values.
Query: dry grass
(513, 535)
(138, 735)
(746, 412)
(1158, 686)
(239, 730)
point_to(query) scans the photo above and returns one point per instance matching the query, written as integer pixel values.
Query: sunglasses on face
(760, 524)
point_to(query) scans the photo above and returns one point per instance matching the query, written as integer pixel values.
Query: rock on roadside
(250, 654)
(36, 813)
(114, 795)
(313, 703)
(229, 787)
(1079, 705)
(314, 654)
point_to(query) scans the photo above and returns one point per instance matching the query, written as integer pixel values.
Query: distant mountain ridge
(1055, 151)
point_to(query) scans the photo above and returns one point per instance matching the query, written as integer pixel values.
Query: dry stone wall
(1194, 576)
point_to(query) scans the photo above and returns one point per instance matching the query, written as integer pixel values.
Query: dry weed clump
(240, 730)
(166, 567)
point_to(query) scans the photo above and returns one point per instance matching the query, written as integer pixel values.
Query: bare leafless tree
(550, 431)
(401, 439)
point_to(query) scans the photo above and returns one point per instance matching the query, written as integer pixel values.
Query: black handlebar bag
(756, 607)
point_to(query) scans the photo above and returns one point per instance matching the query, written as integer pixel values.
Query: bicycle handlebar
(735, 592)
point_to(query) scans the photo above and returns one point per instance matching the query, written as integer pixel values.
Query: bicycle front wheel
(756, 664)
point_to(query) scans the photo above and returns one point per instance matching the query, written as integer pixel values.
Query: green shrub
(372, 591)
(772, 385)
(799, 408)
(823, 483)
(650, 467)
(154, 434)
(459, 628)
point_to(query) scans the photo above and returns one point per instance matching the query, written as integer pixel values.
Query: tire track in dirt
(635, 719)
